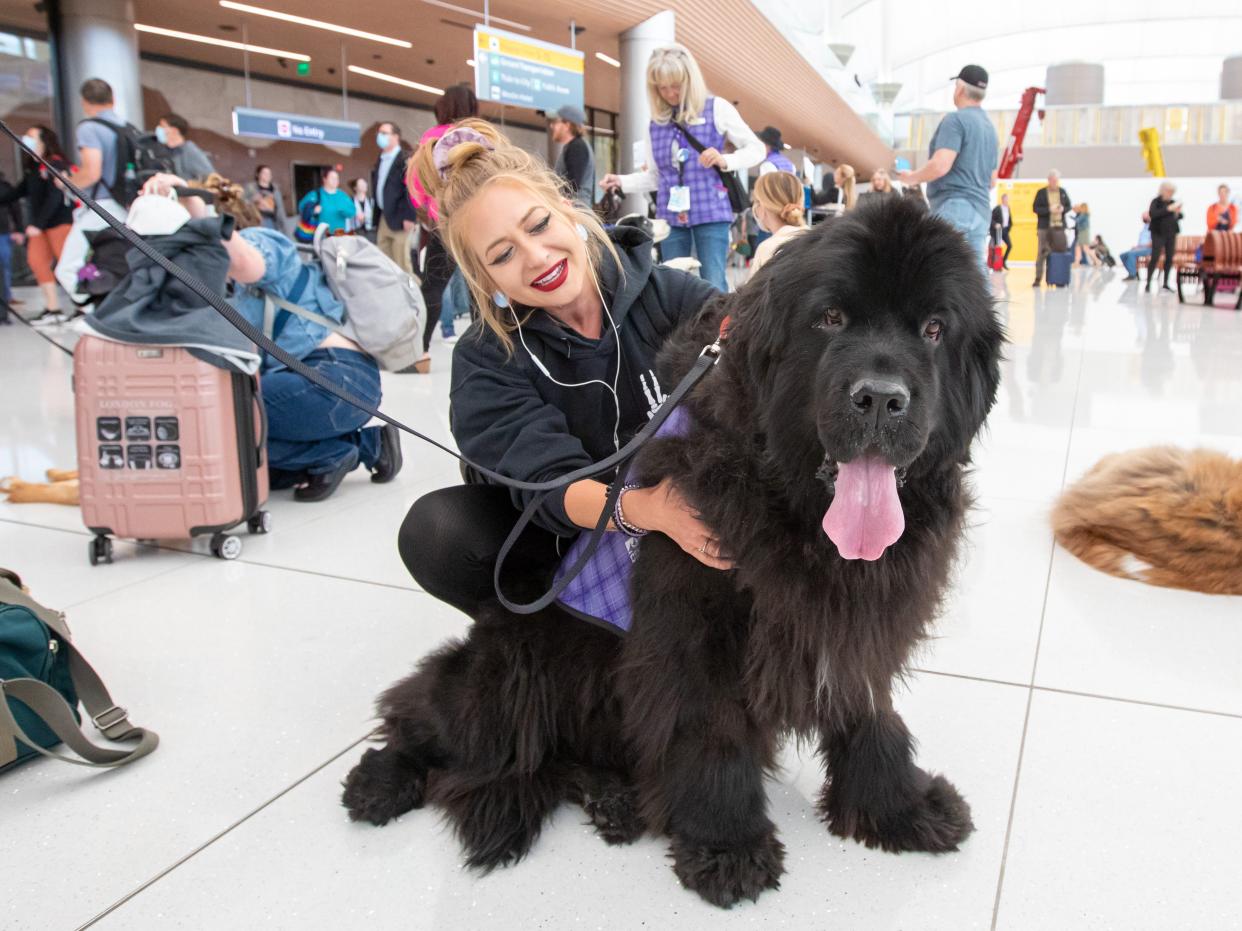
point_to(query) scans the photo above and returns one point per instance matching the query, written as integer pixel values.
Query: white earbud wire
(616, 378)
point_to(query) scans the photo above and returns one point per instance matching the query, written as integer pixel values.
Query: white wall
(1116, 204)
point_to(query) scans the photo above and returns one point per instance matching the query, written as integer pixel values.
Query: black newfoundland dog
(827, 449)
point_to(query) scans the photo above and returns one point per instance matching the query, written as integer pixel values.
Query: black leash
(39, 333)
(616, 461)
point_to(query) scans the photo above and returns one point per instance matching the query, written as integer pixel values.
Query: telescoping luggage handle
(706, 360)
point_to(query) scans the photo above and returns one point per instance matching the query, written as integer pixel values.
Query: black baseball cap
(972, 75)
(771, 136)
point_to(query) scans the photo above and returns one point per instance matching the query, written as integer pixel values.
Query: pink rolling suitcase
(169, 446)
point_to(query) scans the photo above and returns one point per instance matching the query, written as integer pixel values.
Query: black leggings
(1168, 244)
(450, 539)
(438, 268)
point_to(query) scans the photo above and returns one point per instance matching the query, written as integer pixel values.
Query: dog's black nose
(881, 398)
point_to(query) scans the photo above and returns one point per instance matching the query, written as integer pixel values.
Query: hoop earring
(582, 232)
(499, 299)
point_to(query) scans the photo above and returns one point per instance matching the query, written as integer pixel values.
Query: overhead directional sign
(521, 72)
(294, 127)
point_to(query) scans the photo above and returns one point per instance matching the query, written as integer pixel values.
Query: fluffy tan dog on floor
(1163, 515)
(62, 488)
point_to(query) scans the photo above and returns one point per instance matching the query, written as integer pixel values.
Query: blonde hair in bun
(470, 168)
(780, 193)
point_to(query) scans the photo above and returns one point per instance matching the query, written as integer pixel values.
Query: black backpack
(139, 155)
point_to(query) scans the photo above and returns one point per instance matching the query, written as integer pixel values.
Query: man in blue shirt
(97, 148)
(961, 170)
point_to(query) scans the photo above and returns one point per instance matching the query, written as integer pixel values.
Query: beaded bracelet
(618, 516)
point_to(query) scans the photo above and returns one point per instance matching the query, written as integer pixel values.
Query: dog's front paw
(380, 788)
(615, 814)
(726, 875)
(936, 823)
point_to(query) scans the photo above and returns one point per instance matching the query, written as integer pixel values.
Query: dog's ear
(980, 361)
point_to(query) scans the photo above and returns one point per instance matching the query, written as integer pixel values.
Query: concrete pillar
(1231, 78)
(637, 44)
(1074, 83)
(96, 39)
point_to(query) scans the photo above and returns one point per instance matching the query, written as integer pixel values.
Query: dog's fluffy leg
(610, 801)
(498, 819)
(875, 794)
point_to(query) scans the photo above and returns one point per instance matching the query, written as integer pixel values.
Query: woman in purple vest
(689, 192)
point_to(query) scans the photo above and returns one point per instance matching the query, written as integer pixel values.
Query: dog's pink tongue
(865, 516)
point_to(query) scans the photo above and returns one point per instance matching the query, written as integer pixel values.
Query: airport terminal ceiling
(744, 57)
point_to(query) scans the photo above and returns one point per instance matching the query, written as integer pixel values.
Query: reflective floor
(1094, 724)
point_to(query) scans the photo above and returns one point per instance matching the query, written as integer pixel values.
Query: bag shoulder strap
(10, 594)
(109, 718)
(273, 301)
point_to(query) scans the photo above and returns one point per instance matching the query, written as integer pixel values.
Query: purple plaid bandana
(601, 592)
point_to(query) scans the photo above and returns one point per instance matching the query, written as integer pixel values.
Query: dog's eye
(934, 330)
(833, 319)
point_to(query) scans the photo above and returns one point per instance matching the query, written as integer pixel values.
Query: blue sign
(294, 127)
(521, 72)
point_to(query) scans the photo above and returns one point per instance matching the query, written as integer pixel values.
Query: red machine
(1013, 151)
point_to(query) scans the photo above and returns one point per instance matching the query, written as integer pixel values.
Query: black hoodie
(508, 416)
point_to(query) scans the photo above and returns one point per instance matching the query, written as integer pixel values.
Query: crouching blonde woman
(558, 373)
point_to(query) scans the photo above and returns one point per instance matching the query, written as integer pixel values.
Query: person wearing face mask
(396, 215)
(777, 202)
(188, 160)
(558, 374)
(691, 196)
(49, 215)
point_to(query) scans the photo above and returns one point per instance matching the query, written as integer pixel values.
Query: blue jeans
(455, 301)
(1130, 258)
(6, 264)
(308, 430)
(711, 248)
(970, 222)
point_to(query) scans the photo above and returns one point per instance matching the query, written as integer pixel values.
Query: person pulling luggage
(313, 440)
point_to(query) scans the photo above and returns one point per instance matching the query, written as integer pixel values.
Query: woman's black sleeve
(501, 422)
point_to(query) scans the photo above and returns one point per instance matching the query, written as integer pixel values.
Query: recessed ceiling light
(314, 23)
(608, 58)
(392, 79)
(477, 14)
(223, 43)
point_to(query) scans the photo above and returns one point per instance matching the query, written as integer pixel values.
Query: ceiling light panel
(223, 43)
(314, 23)
(393, 79)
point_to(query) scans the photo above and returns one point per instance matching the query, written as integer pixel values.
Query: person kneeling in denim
(313, 439)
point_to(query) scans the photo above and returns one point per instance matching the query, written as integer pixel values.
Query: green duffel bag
(42, 680)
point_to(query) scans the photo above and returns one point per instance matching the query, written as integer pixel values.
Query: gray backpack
(384, 309)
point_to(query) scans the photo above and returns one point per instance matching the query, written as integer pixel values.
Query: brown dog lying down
(61, 488)
(1163, 515)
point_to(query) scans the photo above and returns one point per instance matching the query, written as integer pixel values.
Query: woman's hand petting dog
(663, 509)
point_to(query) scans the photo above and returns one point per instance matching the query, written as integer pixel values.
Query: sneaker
(450, 339)
(50, 318)
(1165, 287)
(1036, 284)
(390, 460)
(1130, 278)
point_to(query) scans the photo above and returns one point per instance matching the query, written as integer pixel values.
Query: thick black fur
(672, 728)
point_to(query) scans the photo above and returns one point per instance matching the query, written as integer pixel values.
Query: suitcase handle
(262, 420)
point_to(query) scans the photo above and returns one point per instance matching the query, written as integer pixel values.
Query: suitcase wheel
(100, 550)
(260, 523)
(226, 546)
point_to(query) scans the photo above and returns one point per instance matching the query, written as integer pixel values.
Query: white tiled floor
(1093, 723)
